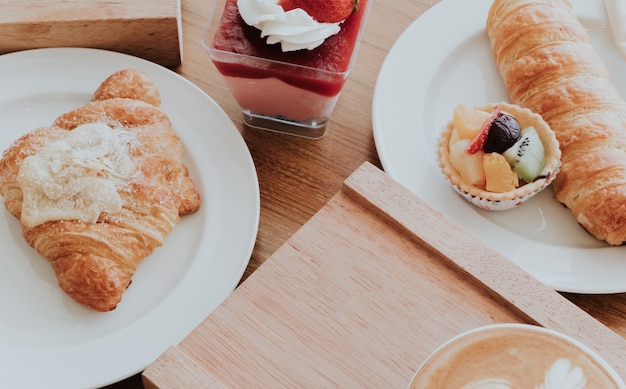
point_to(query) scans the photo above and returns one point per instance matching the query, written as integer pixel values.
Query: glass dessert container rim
(207, 43)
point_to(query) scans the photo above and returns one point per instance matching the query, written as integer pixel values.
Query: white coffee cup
(514, 356)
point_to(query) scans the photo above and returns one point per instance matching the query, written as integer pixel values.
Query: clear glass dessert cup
(292, 92)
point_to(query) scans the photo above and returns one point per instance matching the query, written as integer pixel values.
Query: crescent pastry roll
(548, 65)
(98, 190)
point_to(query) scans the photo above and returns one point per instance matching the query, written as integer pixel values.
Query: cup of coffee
(507, 356)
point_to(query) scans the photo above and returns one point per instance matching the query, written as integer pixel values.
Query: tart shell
(505, 200)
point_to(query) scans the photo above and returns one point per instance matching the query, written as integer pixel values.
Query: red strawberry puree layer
(269, 88)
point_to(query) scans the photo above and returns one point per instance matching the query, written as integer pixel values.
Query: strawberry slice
(479, 140)
(324, 11)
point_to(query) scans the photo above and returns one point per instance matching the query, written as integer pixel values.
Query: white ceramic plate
(443, 59)
(46, 339)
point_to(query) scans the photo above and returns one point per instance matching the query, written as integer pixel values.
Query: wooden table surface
(298, 176)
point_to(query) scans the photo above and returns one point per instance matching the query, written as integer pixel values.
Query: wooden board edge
(156, 36)
(175, 369)
(502, 278)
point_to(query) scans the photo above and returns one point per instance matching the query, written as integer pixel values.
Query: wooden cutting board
(361, 295)
(146, 29)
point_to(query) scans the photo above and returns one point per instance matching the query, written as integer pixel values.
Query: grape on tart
(499, 155)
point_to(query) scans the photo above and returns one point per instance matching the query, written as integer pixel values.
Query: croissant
(548, 65)
(98, 190)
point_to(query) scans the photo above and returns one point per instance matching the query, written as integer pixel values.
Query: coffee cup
(507, 356)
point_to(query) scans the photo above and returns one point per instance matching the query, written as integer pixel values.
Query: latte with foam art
(515, 356)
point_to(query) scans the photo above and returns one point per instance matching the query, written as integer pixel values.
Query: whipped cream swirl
(294, 29)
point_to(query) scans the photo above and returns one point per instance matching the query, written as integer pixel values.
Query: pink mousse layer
(302, 85)
(273, 97)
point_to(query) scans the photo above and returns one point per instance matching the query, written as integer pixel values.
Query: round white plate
(46, 339)
(443, 59)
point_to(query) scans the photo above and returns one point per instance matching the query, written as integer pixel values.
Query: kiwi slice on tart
(527, 156)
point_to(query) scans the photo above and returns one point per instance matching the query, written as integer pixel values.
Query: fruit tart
(499, 155)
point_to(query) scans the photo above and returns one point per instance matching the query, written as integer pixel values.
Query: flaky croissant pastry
(548, 65)
(98, 190)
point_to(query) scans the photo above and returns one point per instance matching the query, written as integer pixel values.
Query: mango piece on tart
(499, 174)
(499, 155)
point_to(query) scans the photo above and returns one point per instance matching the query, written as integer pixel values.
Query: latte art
(490, 383)
(515, 356)
(561, 375)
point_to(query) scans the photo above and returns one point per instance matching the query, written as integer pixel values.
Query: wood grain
(297, 177)
(362, 294)
(152, 32)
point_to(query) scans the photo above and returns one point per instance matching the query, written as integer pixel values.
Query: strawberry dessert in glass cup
(286, 61)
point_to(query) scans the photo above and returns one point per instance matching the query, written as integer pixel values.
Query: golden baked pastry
(548, 65)
(98, 190)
